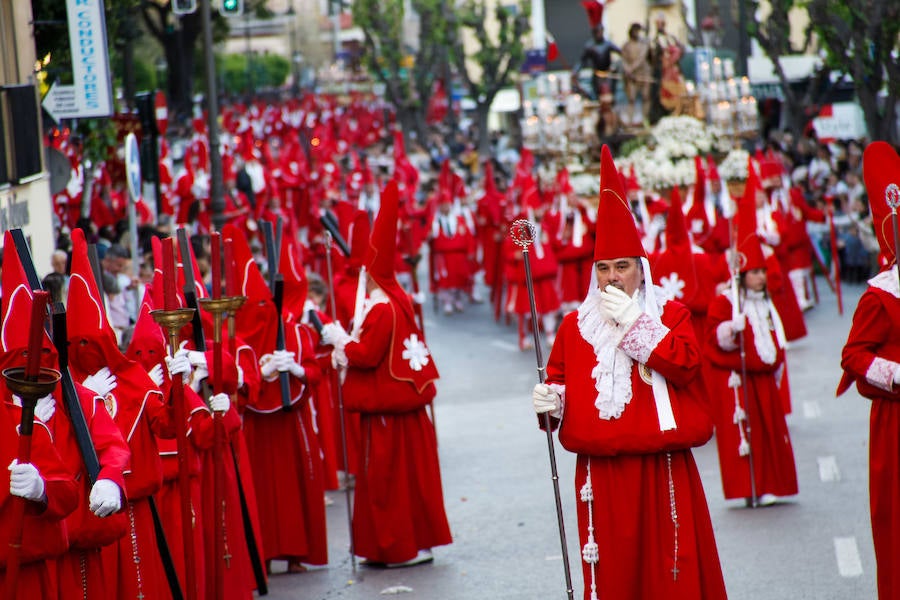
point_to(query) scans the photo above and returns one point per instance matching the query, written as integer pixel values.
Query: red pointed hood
(490, 187)
(406, 337)
(296, 284)
(617, 235)
(379, 260)
(16, 308)
(148, 342)
(748, 244)
(91, 337)
(675, 268)
(881, 172)
(360, 229)
(697, 222)
(676, 228)
(256, 319)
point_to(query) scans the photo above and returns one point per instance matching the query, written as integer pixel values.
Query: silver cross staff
(522, 233)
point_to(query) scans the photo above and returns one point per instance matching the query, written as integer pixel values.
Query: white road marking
(849, 564)
(828, 469)
(505, 345)
(812, 409)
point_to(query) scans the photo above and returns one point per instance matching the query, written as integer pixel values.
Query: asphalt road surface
(499, 496)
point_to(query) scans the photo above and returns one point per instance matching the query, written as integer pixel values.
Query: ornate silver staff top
(522, 232)
(891, 196)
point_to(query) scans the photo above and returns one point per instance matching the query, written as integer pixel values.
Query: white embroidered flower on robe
(672, 286)
(415, 352)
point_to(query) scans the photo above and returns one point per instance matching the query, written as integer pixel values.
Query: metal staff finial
(522, 232)
(892, 198)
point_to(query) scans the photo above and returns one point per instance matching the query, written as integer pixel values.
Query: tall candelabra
(729, 102)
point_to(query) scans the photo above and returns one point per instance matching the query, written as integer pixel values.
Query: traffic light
(232, 8)
(184, 7)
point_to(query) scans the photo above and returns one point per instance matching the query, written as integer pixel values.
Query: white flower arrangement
(668, 158)
(734, 167)
(586, 185)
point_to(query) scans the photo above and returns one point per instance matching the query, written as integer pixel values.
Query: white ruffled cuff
(725, 336)
(642, 338)
(881, 373)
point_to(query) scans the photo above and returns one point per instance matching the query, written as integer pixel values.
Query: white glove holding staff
(219, 403)
(333, 334)
(105, 498)
(546, 400)
(285, 362)
(25, 481)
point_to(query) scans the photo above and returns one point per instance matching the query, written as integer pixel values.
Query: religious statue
(597, 56)
(637, 73)
(666, 51)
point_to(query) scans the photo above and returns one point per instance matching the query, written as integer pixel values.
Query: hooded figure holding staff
(623, 387)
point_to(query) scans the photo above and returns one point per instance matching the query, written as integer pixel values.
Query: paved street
(499, 496)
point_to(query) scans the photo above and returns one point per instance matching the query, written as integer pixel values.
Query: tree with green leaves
(773, 34)
(862, 40)
(408, 71)
(495, 59)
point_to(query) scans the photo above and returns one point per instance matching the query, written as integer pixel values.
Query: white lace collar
(768, 332)
(887, 281)
(612, 373)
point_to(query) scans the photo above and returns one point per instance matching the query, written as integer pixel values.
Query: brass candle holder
(217, 307)
(31, 390)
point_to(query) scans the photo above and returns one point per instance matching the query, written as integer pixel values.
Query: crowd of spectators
(830, 173)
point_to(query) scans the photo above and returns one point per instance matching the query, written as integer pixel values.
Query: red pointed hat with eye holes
(16, 312)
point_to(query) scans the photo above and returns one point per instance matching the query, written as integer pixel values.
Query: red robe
(871, 357)
(287, 463)
(632, 467)
(137, 408)
(87, 532)
(770, 443)
(168, 498)
(575, 262)
(398, 506)
(453, 243)
(44, 534)
(544, 269)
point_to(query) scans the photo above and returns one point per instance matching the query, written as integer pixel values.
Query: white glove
(268, 366)
(25, 481)
(419, 297)
(739, 323)
(285, 363)
(105, 498)
(101, 383)
(179, 365)
(219, 403)
(240, 377)
(339, 359)
(333, 334)
(198, 359)
(623, 309)
(546, 400)
(157, 375)
(45, 408)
